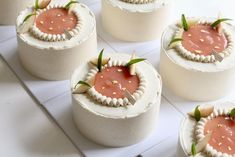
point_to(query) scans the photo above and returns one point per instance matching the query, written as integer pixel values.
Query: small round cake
(117, 105)
(9, 9)
(198, 62)
(58, 38)
(136, 20)
(210, 135)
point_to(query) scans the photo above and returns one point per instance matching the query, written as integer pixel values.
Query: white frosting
(121, 18)
(118, 126)
(192, 132)
(186, 77)
(138, 1)
(201, 58)
(59, 37)
(57, 60)
(114, 102)
(149, 7)
(9, 9)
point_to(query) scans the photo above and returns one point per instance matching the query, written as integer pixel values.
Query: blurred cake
(208, 132)
(9, 9)
(136, 20)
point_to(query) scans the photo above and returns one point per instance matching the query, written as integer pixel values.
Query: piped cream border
(139, 1)
(201, 58)
(114, 102)
(199, 132)
(59, 37)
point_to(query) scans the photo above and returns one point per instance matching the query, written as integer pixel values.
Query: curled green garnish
(133, 61)
(184, 22)
(175, 40)
(215, 24)
(232, 112)
(67, 6)
(193, 149)
(197, 114)
(99, 63)
(36, 6)
(82, 83)
(28, 16)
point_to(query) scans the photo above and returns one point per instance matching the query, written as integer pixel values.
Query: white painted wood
(25, 130)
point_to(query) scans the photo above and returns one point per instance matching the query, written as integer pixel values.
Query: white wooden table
(28, 130)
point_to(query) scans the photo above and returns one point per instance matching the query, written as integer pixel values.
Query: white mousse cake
(136, 20)
(208, 132)
(198, 63)
(56, 39)
(121, 104)
(9, 9)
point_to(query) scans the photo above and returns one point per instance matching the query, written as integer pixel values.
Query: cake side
(138, 6)
(55, 64)
(115, 132)
(129, 17)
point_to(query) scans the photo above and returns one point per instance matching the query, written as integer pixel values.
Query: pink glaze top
(113, 81)
(202, 39)
(56, 20)
(223, 134)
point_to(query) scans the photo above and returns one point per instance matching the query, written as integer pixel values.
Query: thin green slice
(134, 61)
(82, 83)
(232, 112)
(193, 149)
(175, 40)
(99, 63)
(28, 16)
(70, 3)
(184, 22)
(217, 22)
(197, 114)
(36, 5)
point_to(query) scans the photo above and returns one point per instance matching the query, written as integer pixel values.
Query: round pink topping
(55, 21)
(113, 81)
(202, 39)
(223, 134)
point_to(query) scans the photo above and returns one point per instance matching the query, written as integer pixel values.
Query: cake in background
(136, 20)
(198, 58)
(55, 38)
(9, 9)
(208, 131)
